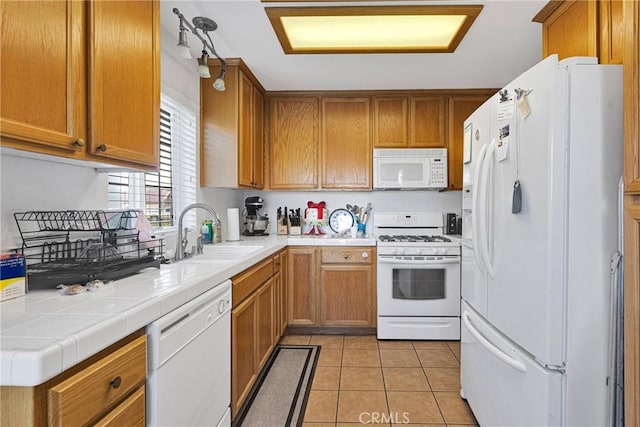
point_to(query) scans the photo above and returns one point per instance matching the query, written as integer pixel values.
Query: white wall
(31, 184)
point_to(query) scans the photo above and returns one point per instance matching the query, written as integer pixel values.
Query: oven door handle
(392, 260)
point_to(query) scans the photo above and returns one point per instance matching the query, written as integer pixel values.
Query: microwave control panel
(438, 172)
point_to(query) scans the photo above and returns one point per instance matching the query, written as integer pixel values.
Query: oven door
(418, 285)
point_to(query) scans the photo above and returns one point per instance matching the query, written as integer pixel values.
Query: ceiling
(501, 44)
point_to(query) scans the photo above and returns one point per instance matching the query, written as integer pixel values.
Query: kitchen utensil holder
(282, 229)
(74, 247)
(295, 230)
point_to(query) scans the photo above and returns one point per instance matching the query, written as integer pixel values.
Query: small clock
(341, 220)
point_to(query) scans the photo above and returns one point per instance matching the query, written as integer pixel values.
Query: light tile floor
(360, 380)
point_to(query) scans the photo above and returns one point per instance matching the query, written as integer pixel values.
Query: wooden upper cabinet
(94, 91)
(428, 122)
(231, 131)
(294, 142)
(250, 141)
(460, 107)
(257, 156)
(390, 121)
(124, 80)
(569, 28)
(43, 84)
(611, 31)
(346, 143)
(583, 28)
(632, 104)
(245, 136)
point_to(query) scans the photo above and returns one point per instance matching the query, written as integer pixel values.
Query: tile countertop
(44, 333)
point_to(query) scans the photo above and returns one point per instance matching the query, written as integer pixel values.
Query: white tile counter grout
(44, 333)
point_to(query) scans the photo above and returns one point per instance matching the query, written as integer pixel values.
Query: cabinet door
(245, 135)
(294, 143)
(569, 28)
(258, 140)
(632, 100)
(460, 107)
(243, 352)
(43, 84)
(301, 280)
(390, 121)
(611, 31)
(346, 143)
(124, 80)
(347, 295)
(284, 262)
(428, 122)
(265, 322)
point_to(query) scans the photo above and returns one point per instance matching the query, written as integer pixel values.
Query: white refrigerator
(543, 158)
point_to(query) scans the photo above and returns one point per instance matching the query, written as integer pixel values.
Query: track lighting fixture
(205, 25)
(203, 66)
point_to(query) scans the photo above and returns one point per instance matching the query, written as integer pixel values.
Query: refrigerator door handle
(482, 211)
(475, 209)
(515, 364)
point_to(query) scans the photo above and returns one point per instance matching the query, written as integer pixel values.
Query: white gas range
(418, 277)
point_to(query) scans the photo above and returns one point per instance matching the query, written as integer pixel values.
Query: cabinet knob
(365, 255)
(345, 256)
(115, 383)
(102, 147)
(79, 142)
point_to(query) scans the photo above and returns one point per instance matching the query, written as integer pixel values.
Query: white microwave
(410, 168)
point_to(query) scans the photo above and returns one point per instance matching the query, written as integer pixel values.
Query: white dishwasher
(189, 363)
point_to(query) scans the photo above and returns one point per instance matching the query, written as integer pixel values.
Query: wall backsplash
(450, 201)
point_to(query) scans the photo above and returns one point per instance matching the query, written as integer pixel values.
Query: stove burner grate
(413, 239)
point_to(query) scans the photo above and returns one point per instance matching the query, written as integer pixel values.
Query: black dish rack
(76, 246)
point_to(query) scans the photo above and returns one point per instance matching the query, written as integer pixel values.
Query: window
(162, 195)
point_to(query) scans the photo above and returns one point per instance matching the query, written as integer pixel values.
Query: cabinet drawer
(88, 393)
(128, 413)
(347, 255)
(245, 283)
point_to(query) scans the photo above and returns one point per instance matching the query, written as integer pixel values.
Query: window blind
(163, 194)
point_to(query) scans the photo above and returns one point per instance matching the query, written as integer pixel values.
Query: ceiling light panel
(379, 29)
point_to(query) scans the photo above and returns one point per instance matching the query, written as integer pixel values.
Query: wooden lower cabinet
(282, 305)
(346, 295)
(301, 286)
(256, 324)
(266, 322)
(107, 389)
(243, 353)
(128, 413)
(332, 287)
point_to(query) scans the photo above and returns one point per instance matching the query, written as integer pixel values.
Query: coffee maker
(255, 224)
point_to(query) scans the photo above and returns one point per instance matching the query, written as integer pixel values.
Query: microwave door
(401, 173)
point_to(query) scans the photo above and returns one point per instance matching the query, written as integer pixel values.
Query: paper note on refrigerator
(505, 109)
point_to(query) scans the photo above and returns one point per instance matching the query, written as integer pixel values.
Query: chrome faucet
(182, 241)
